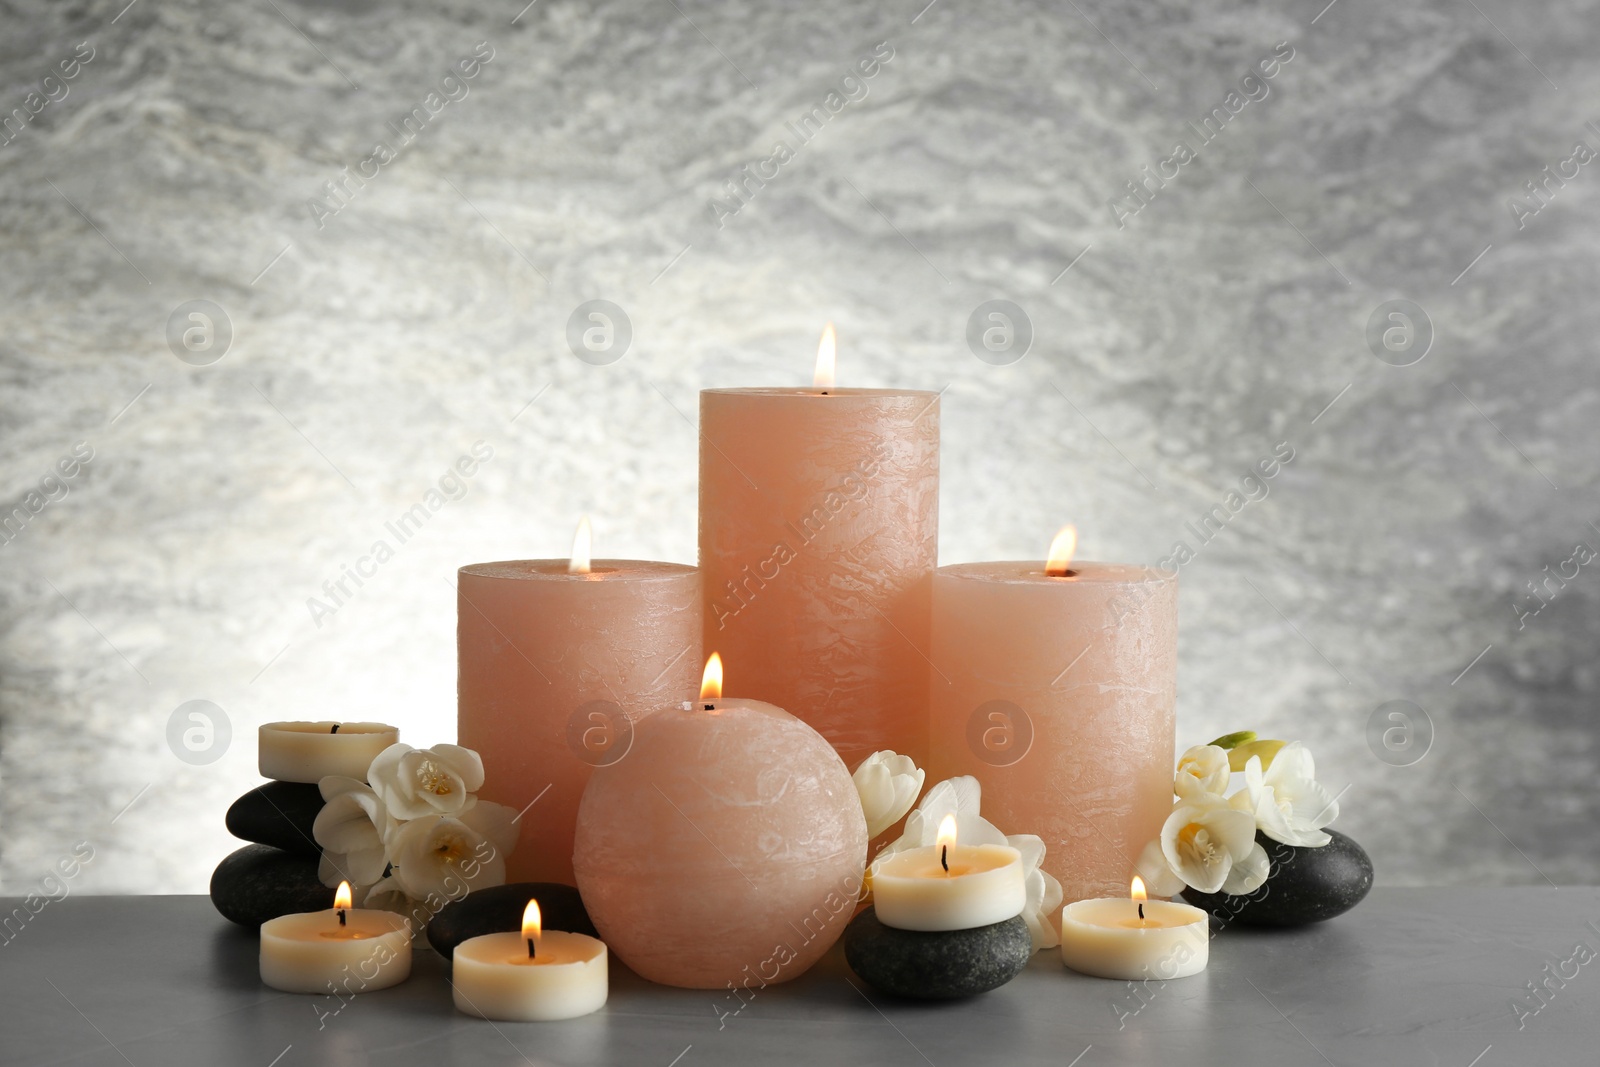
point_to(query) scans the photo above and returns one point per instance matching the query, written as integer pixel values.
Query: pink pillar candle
(725, 852)
(1057, 694)
(556, 669)
(818, 539)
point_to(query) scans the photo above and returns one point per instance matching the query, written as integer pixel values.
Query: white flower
(888, 784)
(442, 857)
(1159, 878)
(1203, 838)
(962, 797)
(430, 781)
(1287, 802)
(350, 829)
(1248, 874)
(1202, 769)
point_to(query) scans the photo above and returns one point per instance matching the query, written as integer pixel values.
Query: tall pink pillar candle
(555, 671)
(1057, 694)
(819, 530)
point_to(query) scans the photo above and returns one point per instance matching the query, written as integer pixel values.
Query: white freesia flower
(1159, 878)
(1204, 837)
(445, 856)
(1287, 802)
(1202, 769)
(962, 797)
(430, 781)
(350, 829)
(1247, 874)
(888, 784)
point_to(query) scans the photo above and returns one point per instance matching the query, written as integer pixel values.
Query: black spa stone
(279, 814)
(498, 909)
(936, 965)
(259, 882)
(1306, 885)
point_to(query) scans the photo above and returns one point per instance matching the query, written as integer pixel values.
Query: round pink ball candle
(556, 668)
(725, 851)
(1057, 693)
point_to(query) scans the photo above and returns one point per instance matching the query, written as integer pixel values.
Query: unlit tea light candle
(1134, 939)
(310, 751)
(949, 886)
(343, 950)
(534, 976)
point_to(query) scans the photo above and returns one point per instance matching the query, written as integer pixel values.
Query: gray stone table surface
(1413, 976)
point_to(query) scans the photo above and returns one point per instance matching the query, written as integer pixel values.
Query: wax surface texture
(1107, 938)
(728, 846)
(1058, 695)
(818, 540)
(492, 977)
(310, 952)
(555, 670)
(310, 751)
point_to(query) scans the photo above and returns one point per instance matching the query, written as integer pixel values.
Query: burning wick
(944, 861)
(532, 925)
(530, 943)
(944, 839)
(341, 916)
(335, 729)
(711, 682)
(341, 900)
(1141, 911)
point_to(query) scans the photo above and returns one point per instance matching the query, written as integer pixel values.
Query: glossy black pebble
(936, 966)
(1306, 885)
(259, 882)
(279, 814)
(498, 909)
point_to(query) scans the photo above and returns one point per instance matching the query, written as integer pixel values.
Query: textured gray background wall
(377, 336)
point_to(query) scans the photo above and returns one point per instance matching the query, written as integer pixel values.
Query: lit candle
(559, 659)
(1134, 939)
(1054, 684)
(727, 850)
(949, 886)
(535, 976)
(343, 950)
(819, 530)
(310, 751)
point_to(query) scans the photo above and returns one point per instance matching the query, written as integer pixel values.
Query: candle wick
(335, 729)
(944, 858)
(1141, 911)
(530, 948)
(341, 916)
(711, 707)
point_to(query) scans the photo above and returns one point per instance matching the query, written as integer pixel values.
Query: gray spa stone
(936, 965)
(259, 882)
(1306, 885)
(279, 814)
(498, 909)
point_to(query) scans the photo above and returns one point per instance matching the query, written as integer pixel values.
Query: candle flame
(1136, 891)
(582, 546)
(827, 350)
(1061, 550)
(711, 680)
(947, 831)
(532, 922)
(341, 899)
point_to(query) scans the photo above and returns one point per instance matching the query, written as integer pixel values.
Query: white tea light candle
(534, 976)
(1134, 939)
(343, 950)
(310, 751)
(949, 886)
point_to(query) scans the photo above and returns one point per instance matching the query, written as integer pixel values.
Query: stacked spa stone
(277, 874)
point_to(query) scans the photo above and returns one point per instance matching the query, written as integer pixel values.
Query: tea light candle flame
(582, 547)
(1058, 564)
(946, 839)
(341, 901)
(711, 680)
(1137, 892)
(827, 350)
(532, 927)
